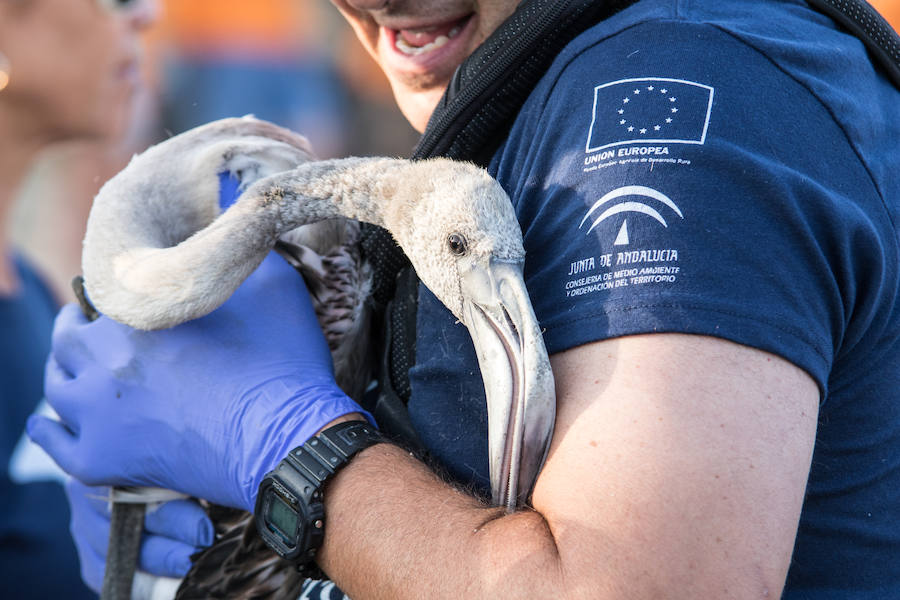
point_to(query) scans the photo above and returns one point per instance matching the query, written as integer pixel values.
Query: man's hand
(174, 531)
(205, 408)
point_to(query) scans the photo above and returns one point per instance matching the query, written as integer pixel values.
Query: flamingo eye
(458, 244)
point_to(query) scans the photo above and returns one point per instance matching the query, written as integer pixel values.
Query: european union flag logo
(647, 110)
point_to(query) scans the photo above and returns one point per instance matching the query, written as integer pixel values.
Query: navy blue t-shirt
(37, 555)
(721, 168)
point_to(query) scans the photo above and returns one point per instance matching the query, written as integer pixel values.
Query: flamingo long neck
(144, 281)
(356, 188)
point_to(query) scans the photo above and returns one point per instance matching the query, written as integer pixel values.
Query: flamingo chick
(159, 251)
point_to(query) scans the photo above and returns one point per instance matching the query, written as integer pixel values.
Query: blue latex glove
(205, 408)
(173, 532)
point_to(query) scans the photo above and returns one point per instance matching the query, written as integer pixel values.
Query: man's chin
(417, 103)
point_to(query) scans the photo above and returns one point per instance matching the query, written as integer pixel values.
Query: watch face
(289, 512)
(282, 520)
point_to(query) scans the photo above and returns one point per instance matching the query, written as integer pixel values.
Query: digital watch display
(290, 514)
(282, 519)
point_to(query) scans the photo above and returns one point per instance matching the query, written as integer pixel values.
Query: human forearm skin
(677, 470)
(396, 531)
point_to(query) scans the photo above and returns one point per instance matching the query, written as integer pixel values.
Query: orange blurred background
(890, 10)
(194, 35)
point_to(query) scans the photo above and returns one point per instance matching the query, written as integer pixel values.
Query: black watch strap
(322, 455)
(293, 492)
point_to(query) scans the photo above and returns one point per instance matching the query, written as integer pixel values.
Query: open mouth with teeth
(414, 42)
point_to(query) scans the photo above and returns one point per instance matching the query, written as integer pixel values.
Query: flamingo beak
(518, 382)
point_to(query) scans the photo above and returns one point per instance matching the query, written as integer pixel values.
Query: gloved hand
(205, 408)
(173, 532)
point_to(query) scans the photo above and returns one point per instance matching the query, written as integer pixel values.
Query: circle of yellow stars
(673, 109)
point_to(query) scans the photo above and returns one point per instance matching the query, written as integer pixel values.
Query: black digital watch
(289, 513)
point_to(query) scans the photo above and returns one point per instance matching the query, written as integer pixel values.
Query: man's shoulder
(706, 66)
(775, 20)
(788, 33)
(740, 68)
(789, 36)
(652, 126)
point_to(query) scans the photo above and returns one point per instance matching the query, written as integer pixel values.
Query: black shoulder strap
(470, 122)
(863, 21)
(472, 119)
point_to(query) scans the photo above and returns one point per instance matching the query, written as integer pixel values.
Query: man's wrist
(356, 416)
(284, 415)
(314, 408)
(289, 512)
(297, 420)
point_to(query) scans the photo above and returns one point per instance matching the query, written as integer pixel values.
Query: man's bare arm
(678, 469)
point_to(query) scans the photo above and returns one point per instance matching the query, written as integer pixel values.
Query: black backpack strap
(398, 343)
(472, 119)
(863, 21)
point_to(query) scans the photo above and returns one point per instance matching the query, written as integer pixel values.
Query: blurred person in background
(48, 204)
(68, 71)
(51, 209)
